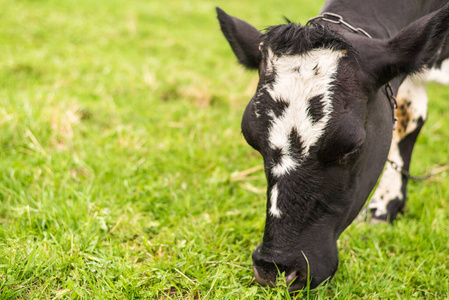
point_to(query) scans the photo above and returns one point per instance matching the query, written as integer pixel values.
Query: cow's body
(323, 123)
(390, 195)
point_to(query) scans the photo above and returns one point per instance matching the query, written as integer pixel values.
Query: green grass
(121, 155)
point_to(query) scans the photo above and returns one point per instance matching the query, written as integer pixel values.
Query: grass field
(122, 162)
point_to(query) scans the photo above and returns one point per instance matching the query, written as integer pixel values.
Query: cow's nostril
(290, 277)
(261, 278)
(296, 281)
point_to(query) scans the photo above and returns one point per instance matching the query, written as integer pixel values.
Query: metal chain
(337, 19)
(407, 173)
(393, 102)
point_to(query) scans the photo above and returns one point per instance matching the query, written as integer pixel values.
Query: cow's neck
(381, 18)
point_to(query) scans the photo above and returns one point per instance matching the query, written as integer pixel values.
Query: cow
(323, 119)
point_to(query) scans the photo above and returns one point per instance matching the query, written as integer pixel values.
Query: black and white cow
(323, 123)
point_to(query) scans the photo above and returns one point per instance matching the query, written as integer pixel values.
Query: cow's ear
(243, 38)
(413, 48)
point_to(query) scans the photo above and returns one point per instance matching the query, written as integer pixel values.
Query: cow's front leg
(389, 197)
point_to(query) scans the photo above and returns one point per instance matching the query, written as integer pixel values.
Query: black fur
(324, 194)
(315, 110)
(293, 38)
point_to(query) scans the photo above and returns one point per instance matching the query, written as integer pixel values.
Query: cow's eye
(354, 153)
(341, 150)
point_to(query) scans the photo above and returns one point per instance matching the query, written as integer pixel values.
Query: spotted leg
(389, 197)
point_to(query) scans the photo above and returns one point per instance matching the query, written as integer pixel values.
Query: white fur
(412, 89)
(389, 187)
(295, 83)
(440, 75)
(286, 164)
(274, 210)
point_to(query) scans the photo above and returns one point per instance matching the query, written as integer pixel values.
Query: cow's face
(323, 128)
(308, 119)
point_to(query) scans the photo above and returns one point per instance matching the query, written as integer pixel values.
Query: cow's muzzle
(267, 273)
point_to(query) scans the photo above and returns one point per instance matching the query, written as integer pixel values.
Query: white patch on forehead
(274, 210)
(298, 79)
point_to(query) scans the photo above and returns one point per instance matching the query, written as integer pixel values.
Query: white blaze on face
(299, 78)
(274, 211)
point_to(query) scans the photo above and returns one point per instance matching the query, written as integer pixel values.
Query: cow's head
(323, 125)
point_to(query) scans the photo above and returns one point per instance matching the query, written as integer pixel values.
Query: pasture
(124, 173)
